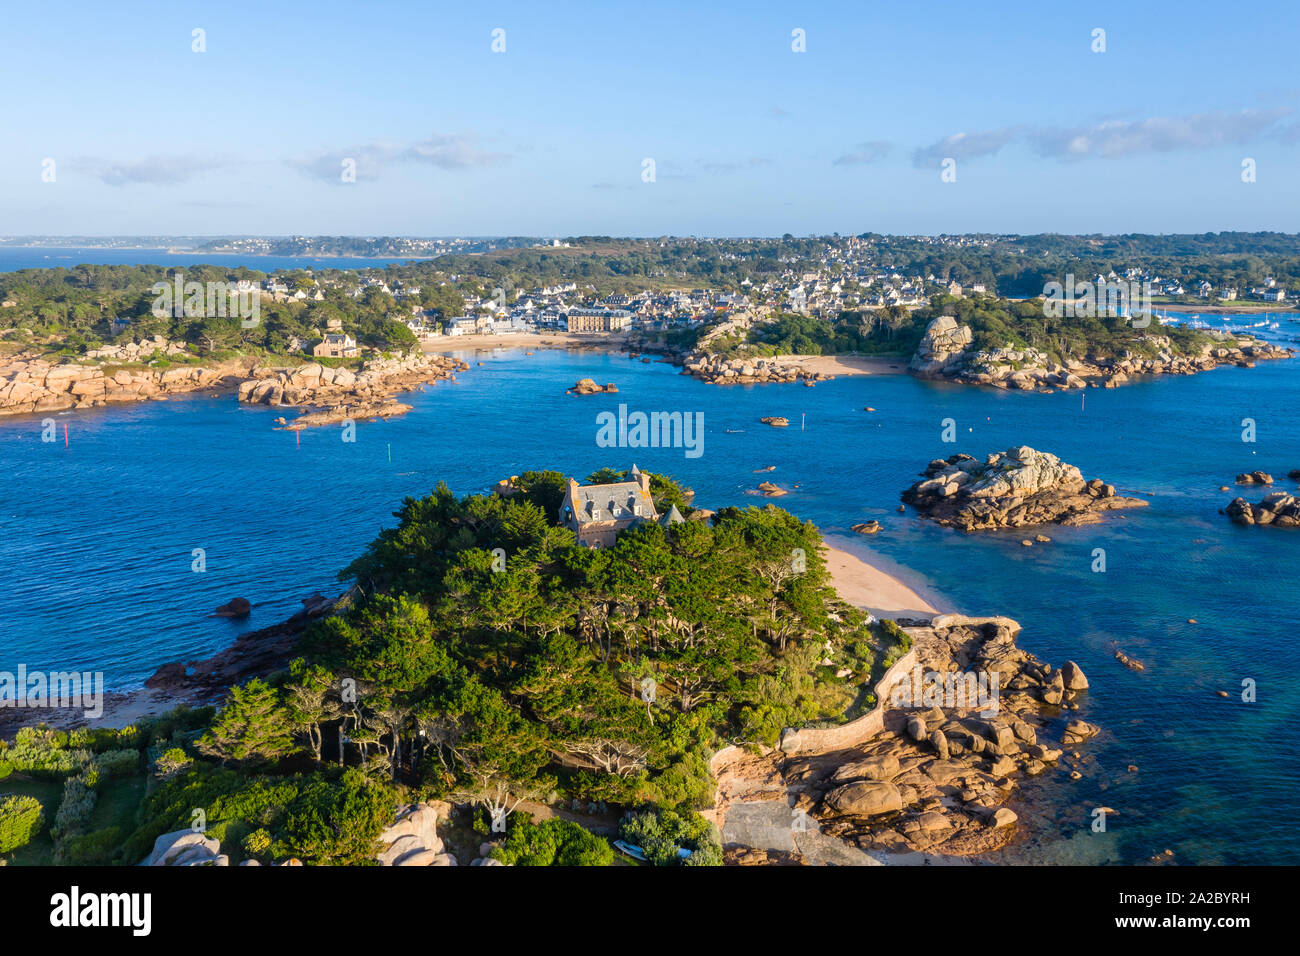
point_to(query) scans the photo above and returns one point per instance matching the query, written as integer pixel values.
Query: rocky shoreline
(716, 370)
(1012, 489)
(333, 395)
(945, 352)
(193, 683)
(933, 773)
(33, 385)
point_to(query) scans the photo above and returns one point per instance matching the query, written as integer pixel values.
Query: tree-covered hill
(487, 659)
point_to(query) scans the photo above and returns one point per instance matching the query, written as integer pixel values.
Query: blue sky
(549, 137)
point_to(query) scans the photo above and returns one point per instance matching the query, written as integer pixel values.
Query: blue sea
(97, 538)
(13, 258)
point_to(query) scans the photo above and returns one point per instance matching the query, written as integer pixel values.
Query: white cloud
(445, 151)
(864, 153)
(1116, 138)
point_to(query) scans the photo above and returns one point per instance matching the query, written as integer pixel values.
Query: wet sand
(866, 586)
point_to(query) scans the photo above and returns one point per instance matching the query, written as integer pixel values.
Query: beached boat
(636, 853)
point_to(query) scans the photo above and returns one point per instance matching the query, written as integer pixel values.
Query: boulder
(1072, 675)
(883, 767)
(940, 743)
(417, 820)
(1002, 817)
(916, 728)
(420, 858)
(1255, 478)
(1077, 731)
(235, 607)
(865, 798)
(169, 846)
(403, 846)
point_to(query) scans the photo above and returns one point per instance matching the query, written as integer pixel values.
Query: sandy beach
(871, 589)
(442, 344)
(845, 364)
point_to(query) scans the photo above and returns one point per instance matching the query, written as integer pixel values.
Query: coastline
(845, 364)
(862, 582)
(600, 342)
(193, 683)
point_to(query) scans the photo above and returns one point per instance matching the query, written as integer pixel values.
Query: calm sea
(97, 539)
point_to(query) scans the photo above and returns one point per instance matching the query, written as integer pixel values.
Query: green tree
(252, 728)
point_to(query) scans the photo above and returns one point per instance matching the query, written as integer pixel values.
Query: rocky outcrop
(186, 848)
(413, 839)
(1279, 509)
(253, 654)
(945, 352)
(141, 351)
(35, 385)
(776, 421)
(717, 370)
(942, 348)
(32, 384)
(938, 773)
(867, 527)
(335, 394)
(587, 386)
(1011, 489)
(865, 799)
(1255, 478)
(235, 607)
(360, 411)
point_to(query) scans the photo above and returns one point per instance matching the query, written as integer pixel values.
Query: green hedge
(21, 818)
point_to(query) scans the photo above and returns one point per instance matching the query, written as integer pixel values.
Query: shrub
(21, 818)
(661, 833)
(257, 843)
(337, 822)
(171, 762)
(92, 849)
(75, 809)
(42, 752)
(118, 763)
(101, 739)
(552, 843)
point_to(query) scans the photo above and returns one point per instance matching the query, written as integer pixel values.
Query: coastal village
(846, 275)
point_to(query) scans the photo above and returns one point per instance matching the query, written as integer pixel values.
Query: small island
(1011, 489)
(519, 677)
(1279, 509)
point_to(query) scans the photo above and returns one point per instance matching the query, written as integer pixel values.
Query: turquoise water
(96, 539)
